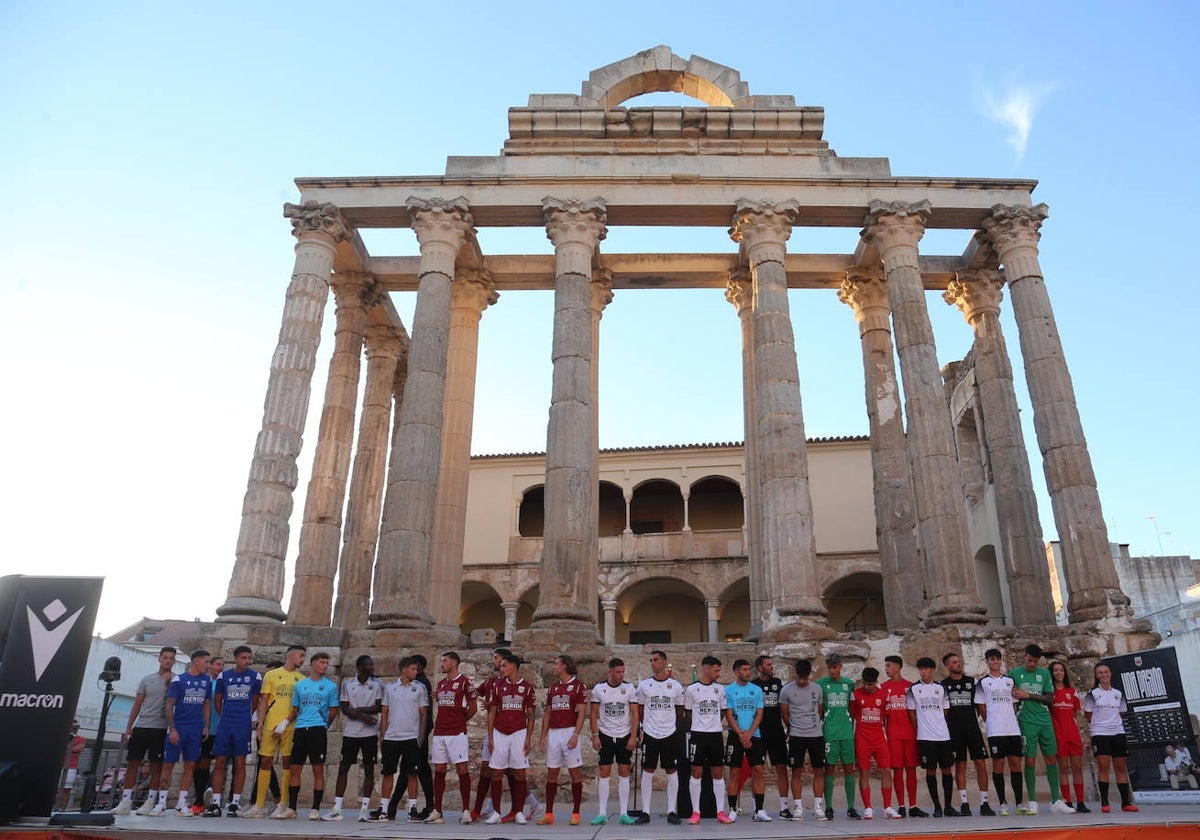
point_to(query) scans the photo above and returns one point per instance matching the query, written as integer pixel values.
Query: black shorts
(935, 754)
(813, 746)
(775, 746)
(401, 755)
(206, 746)
(706, 750)
(1006, 746)
(614, 749)
(665, 750)
(967, 742)
(368, 745)
(1116, 746)
(735, 752)
(309, 744)
(146, 744)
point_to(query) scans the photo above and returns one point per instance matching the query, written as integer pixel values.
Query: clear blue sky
(149, 147)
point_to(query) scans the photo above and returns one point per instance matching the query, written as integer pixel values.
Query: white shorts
(557, 752)
(510, 751)
(69, 781)
(449, 749)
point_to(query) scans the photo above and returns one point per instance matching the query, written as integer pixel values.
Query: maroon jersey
(455, 698)
(868, 711)
(563, 702)
(511, 700)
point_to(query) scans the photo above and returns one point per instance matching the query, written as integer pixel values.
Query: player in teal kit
(744, 705)
(839, 733)
(315, 703)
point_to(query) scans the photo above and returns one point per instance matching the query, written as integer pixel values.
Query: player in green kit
(839, 733)
(1034, 687)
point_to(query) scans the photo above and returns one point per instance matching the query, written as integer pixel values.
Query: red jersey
(511, 700)
(563, 702)
(895, 710)
(1062, 714)
(454, 698)
(868, 711)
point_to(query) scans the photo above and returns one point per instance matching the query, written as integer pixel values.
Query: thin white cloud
(1015, 108)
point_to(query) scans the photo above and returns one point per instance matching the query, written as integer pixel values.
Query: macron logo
(46, 639)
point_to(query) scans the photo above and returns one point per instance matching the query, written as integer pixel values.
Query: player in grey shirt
(146, 733)
(802, 705)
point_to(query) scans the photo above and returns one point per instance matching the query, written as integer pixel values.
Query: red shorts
(903, 752)
(866, 750)
(1069, 748)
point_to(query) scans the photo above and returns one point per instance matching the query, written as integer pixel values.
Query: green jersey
(837, 707)
(1036, 681)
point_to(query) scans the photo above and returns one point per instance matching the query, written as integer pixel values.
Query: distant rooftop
(733, 444)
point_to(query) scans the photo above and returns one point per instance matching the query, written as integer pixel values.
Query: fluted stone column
(385, 345)
(570, 554)
(978, 293)
(602, 296)
(1095, 590)
(321, 529)
(403, 567)
(793, 606)
(609, 608)
(471, 293)
(895, 229)
(865, 292)
(256, 584)
(739, 291)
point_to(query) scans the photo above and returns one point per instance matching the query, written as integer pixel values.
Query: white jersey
(706, 703)
(615, 720)
(996, 695)
(659, 699)
(930, 702)
(1106, 708)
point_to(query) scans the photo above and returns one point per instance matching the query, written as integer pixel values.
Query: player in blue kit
(235, 697)
(188, 700)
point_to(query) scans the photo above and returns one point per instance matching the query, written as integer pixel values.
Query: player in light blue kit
(744, 703)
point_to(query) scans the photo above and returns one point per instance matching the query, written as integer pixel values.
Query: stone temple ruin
(381, 547)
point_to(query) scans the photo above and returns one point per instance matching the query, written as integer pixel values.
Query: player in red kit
(901, 736)
(510, 733)
(456, 704)
(483, 796)
(566, 710)
(867, 706)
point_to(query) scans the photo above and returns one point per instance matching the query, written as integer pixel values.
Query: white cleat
(146, 808)
(465, 819)
(868, 814)
(519, 819)
(1061, 807)
(493, 818)
(761, 816)
(124, 809)
(891, 814)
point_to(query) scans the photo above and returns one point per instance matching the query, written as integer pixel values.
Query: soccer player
(660, 710)
(614, 736)
(1035, 689)
(234, 699)
(314, 708)
(705, 701)
(275, 729)
(189, 699)
(146, 735)
(996, 705)
(774, 736)
(867, 707)
(510, 733)
(405, 708)
(1063, 712)
(743, 712)
(202, 776)
(965, 737)
(839, 733)
(928, 707)
(456, 704)
(562, 726)
(483, 795)
(901, 736)
(1103, 707)
(802, 703)
(361, 702)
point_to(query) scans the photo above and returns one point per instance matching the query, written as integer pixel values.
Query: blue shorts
(188, 747)
(232, 742)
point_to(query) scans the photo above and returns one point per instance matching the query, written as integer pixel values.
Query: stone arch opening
(531, 519)
(612, 510)
(989, 584)
(733, 614)
(656, 507)
(855, 603)
(479, 608)
(660, 70)
(715, 503)
(660, 611)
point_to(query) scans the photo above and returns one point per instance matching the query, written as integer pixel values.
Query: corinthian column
(865, 292)
(321, 531)
(977, 293)
(471, 293)
(570, 554)
(404, 566)
(740, 292)
(793, 603)
(895, 229)
(384, 348)
(1095, 590)
(256, 585)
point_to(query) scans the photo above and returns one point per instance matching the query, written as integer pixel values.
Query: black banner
(46, 643)
(1158, 718)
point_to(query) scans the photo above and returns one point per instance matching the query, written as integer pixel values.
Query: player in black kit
(774, 738)
(965, 737)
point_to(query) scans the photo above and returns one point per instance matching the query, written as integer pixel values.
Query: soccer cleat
(1082, 808)
(868, 814)
(1105, 808)
(435, 818)
(694, 819)
(732, 813)
(1131, 808)
(181, 812)
(253, 813)
(642, 819)
(124, 808)
(519, 818)
(545, 819)
(233, 809)
(334, 815)
(964, 809)
(157, 811)
(414, 815)
(625, 819)
(466, 818)
(785, 814)
(903, 812)
(891, 814)
(919, 813)
(146, 807)
(493, 818)
(1060, 807)
(1004, 809)
(761, 816)
(377, 815)
(951, 811)
(197, 809)
(574, 820)
(283, 812)
(938, 813)
(985, 810)
(212, 811)
(1028, 809)
(600, 819)
(672, 818)
(852, 814)
(724, 818)
(314, 815)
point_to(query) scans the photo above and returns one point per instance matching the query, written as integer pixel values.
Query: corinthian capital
(442, 226)
(976, 292)
(314, 217)
(763, 227)
(739, 289)
(1013, 226)
(355, 288)
(864, 290)
(473, 289)
(384, 342)
(570, 221)
(602, 293)
(892, 223)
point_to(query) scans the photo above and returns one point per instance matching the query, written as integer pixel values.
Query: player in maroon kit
(901, 736)
(566, 710)
(483, 691)
(867, 707)
(456, 704)
(510, 733)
